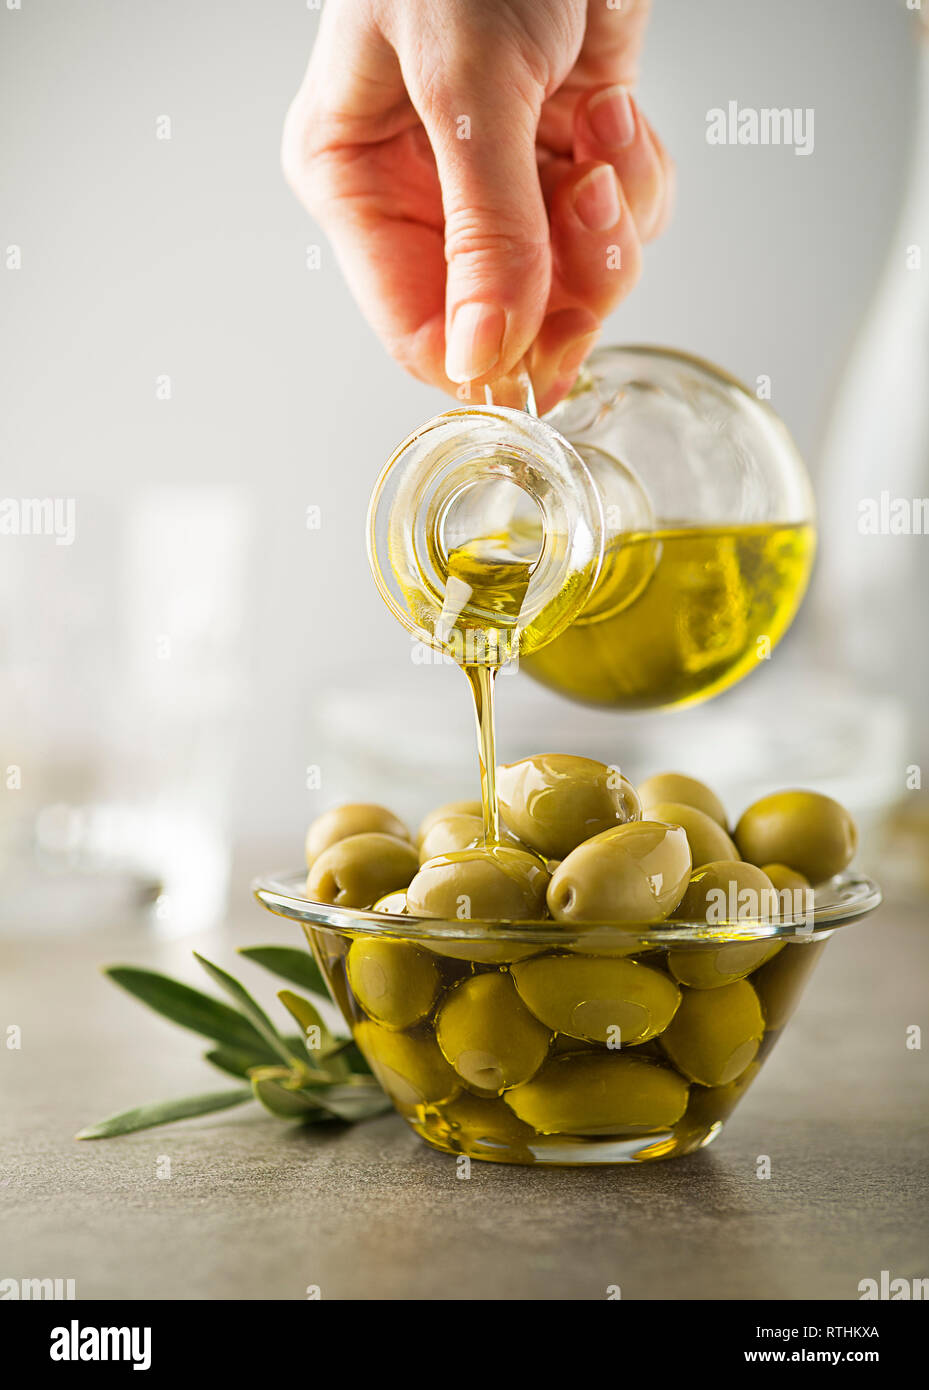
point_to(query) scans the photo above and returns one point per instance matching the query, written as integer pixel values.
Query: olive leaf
(289, 1104)
(298, 967)
(252, 1011)
(230, 1060)
(330, 1083)
(162, 1112)
(201, 1013)
(354, 1058)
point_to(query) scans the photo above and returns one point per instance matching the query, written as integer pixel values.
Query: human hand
(485, 177)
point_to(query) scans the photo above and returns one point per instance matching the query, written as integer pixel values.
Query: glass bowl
(540, 1043)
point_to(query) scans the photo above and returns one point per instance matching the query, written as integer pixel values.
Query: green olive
(355, 818)
(493, 883)
(395, 983)
(684, 791)
(394, 903)
(784, 877)
(728, 890)
(554, 801)
(478, 952)
(794, 891)
(477, 1121)
(358, 871)
(411, 1070)
(600, 1093)
(780, 983)
(450, 834)
(633, 873)
(457, 832)
(448, 808)
(599, 999)
(715, 1033)
(810, 832)
(711, 967)
(488, 1035)
(708, 1108)
(707, 840)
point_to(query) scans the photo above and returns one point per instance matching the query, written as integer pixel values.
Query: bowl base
(567, 1151)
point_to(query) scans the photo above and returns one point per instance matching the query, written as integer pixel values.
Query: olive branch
(310, 1076)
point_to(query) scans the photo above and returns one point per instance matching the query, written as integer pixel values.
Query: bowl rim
(852, 895)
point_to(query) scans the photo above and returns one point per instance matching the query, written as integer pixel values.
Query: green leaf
(298, 967)
(346, 1103)
(356, 1102)
(307, 1015)
(328, 1056)
(164, 1112)
(201, 1013)
(231, 1060)
(287, 1104)
(352, 1055)
(252, 1010)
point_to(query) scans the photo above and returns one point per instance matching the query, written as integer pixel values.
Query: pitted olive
(715, 1033)
(394, 982)
(709, 967)
(633, 873)
(495, 883)
(474, 951)
(728, 890)
(599, 999)
(707, 840)
(477, 1121)
(343, 822)
(411, 1070)
(488, 1035)
(708, 1108)
(785, 878)
(554, 801)
(600, 1093)
(448, 808)
(394, 903)
(457, 832)
(810, 832)
(780, 983)
(356, 872)
(451, 833)
(683, 791)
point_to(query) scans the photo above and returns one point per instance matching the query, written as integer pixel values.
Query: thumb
(497, 247)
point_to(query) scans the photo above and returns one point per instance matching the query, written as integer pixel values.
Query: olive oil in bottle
(679, 614)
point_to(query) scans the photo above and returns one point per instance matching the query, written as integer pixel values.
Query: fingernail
(612, 118)
(475, 341)
(577, 353)
(596, 199)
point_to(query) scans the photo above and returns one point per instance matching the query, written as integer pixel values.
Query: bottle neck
(514, 390)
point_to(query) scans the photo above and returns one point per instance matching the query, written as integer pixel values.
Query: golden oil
(679, 614)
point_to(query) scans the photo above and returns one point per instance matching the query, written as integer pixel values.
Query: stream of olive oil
(490, 578)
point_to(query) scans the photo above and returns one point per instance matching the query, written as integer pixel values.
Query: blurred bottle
(872, 590)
